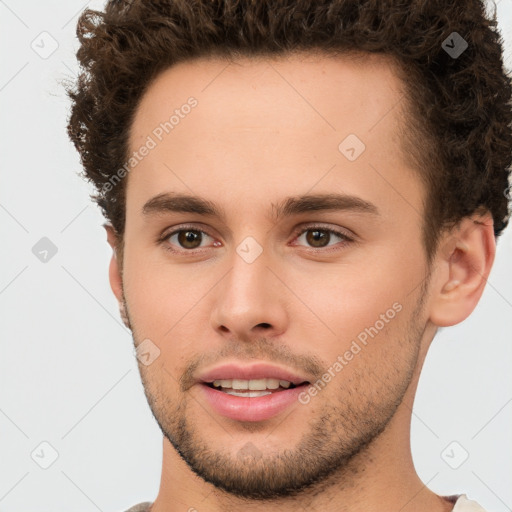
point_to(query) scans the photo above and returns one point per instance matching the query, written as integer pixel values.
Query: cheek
(362, 311)
(358, 329)
(162, 298)
(351, 297)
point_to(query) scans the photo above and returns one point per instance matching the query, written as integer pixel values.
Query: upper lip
(253, 371)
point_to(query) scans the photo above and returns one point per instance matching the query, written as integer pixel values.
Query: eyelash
(346, 239)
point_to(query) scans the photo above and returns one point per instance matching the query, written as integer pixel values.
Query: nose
(250, 301)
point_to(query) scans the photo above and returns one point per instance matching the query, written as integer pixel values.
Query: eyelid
(183, 227)
(347, 236)
(344, 233)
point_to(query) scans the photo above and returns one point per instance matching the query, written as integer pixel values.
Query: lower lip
(254, 408)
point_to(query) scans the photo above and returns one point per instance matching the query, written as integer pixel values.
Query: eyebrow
(184, 203)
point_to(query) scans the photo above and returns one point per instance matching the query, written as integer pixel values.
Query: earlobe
(464, 262)
(115, 278)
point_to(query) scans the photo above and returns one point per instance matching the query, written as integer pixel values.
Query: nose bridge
(247, 296)
(249, 258)
(246, 284)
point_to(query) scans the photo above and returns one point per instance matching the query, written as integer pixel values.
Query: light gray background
(68, 370)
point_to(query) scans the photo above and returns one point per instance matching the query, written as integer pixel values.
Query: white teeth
(258, 384)
(239, 384)
(273, 383)
(249, 394)
(252, 384)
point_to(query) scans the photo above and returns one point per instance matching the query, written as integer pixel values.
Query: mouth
(255, 392)
(238, 400)
(252, 388)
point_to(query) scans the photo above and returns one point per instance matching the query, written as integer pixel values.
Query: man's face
(251, 286)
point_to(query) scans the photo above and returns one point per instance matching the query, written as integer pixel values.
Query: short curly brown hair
(459, 108)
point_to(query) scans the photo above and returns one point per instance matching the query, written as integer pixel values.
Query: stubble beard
(331, 451)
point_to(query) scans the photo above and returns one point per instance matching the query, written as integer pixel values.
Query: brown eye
(317, 237)
(189, 239)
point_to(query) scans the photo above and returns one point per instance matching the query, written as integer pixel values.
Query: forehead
(266, 124)
(290, 90)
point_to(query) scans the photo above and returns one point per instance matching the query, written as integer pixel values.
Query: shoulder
(463, 504)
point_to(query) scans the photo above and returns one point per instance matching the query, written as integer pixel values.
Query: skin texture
(264, 130)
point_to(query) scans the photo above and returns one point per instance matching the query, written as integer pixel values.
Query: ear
(114, 274)
(462, 265)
